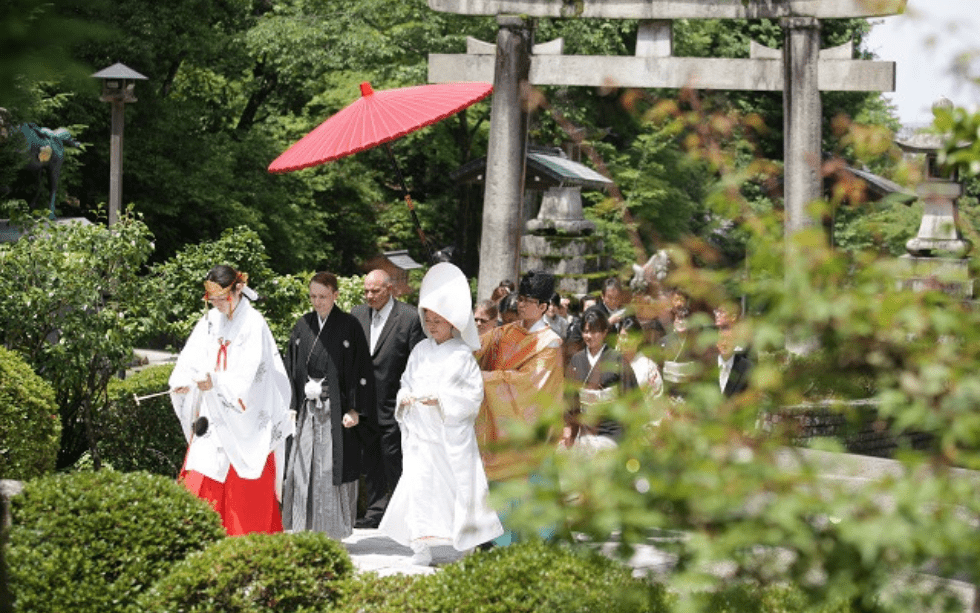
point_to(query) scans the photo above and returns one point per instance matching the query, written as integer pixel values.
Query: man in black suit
(734, 363)
(392, 328)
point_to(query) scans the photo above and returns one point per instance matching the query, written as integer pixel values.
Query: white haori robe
(442, 494)
(248, 406)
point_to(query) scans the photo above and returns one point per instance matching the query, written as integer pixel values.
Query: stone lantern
(936, 257)
(118, 88)
(558, 239)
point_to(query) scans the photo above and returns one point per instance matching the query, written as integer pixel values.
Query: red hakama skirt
(245, 505)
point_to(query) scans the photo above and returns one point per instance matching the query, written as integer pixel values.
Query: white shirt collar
(540, 324)
(725, 368)
(386, 309)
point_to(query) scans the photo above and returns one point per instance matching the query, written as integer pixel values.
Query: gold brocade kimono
(522, 378)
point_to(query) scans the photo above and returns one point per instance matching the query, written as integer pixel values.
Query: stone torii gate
(800, 70)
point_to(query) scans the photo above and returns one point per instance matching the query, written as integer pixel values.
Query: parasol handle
(411, 205)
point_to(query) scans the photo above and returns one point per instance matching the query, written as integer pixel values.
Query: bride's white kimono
(441, 497)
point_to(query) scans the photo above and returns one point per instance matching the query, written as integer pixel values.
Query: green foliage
(255, 572)
(524, 578)
(29, 424)
(94, 541)
(367, 592)
(351, 292)
(34, 45)
(144, 436)
(664, 189)
(961, 147)
(286, 299)
(71, 303)
(231, 85)
(882, 228)
(749, 598)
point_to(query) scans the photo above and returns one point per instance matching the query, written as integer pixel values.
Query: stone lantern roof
(546, 167)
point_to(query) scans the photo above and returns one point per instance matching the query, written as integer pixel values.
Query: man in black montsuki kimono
(332, 379)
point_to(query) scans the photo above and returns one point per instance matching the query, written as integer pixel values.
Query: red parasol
(377, 118)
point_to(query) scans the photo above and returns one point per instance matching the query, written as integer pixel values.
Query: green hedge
(752, 598)
(30, 429)
(254, 573)
(527, 578)
(553, 579)
(146, 436)
(93, 541)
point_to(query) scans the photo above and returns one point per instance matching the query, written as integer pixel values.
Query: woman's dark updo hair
(508, 303)
(595, 319)
(630, 324)
(223, 275)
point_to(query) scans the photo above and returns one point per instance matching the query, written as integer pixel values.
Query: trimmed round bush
(93, 541)
(370, 593)
(145, 436)
(255, 572)
(531, 577)
(30, 429)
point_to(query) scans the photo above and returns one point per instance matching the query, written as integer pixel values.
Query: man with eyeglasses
(522, 377)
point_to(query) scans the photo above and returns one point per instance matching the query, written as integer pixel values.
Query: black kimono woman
(603, 375)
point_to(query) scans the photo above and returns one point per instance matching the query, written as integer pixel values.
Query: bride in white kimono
(441, 497)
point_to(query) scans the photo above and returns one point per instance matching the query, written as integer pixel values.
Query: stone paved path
(372, 551)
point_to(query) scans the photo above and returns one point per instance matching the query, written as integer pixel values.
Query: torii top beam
(675, 9)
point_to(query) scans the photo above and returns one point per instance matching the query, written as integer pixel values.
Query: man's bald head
(377, 288)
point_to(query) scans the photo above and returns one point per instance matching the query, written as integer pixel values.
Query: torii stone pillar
(803, 118)
(503, 200)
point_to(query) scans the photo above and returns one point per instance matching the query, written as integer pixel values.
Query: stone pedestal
(950, 275)
(574, 260)
(560, 241)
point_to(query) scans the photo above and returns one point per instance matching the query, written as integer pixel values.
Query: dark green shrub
(72, 300)
(370, 593)
(256, 572)
(93, 541)
(30, 430)
(525, 578)
(750, 598)
(146, 436)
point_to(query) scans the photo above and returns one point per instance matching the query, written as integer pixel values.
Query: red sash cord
(222, 353)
